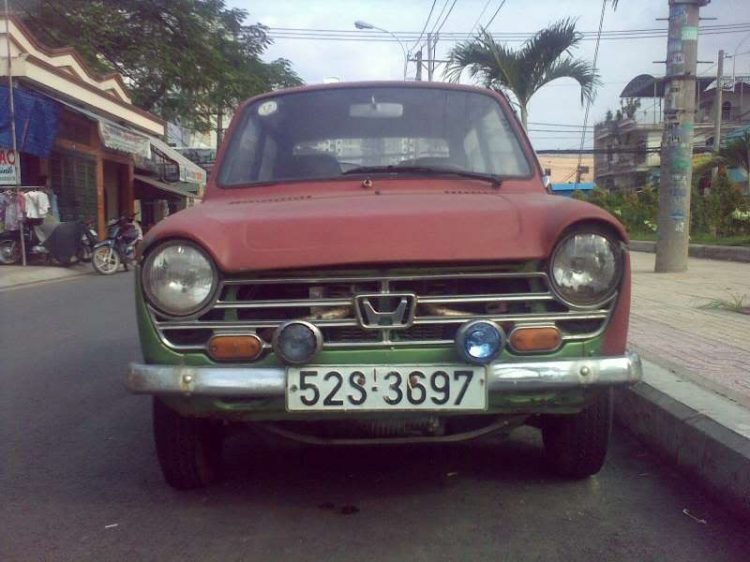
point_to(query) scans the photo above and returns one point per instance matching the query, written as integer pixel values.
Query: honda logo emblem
(378, 311)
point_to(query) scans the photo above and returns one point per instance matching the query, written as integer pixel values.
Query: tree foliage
(181, 59)
(522, 72)
(737, 154)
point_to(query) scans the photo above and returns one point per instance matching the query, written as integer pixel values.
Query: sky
(557, 103)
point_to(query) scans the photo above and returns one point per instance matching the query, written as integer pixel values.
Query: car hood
(258, 229)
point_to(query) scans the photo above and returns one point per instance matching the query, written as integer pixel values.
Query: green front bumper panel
(180, 377)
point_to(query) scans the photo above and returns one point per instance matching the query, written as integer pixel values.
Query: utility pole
(717, 102)
(419, 65)
(677, 138)
(430, 57)
(14, 146)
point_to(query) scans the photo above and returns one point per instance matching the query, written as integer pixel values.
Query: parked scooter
(65, 242)
(119, 248)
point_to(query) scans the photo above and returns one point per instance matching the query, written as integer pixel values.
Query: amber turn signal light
(535, 338)
(225, 348)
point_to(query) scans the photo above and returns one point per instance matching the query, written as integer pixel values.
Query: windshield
(326, 133)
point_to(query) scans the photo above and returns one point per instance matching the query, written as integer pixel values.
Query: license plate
(386, 388)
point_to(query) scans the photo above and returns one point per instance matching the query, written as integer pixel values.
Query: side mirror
(546, 181)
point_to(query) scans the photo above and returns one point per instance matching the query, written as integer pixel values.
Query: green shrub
(724, 212)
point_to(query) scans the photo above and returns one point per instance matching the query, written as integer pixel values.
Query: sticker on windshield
(268, 108)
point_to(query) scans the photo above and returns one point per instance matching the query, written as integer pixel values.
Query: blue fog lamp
(297, 342)
(480, 341)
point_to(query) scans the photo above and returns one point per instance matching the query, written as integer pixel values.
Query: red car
(381, 263)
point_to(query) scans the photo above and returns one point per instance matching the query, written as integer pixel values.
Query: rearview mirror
(376, 110)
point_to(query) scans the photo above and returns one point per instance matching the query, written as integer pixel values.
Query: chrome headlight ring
(179, 278)
(586, 269)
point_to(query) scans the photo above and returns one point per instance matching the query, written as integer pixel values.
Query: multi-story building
(627, 150)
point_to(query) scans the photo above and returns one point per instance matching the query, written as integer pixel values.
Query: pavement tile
(666, 321)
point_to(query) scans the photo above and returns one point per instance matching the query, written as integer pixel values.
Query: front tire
(10, 251)
(105, 260)
(576, 445)
(189, 449)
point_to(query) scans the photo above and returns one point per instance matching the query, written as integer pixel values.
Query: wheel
(189, 449)
(105, 260)
(576, 445)
(10, 252)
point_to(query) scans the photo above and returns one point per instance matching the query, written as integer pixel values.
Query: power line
(440, 15)
(365, 36)
(521, 34)
(495, 14)
(576, 126)
(447, 16)
(476, 23)
(588, 100)
(571, 132)
(426, 23)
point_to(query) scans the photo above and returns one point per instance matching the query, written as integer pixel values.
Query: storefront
(156, 200)
(82, 138)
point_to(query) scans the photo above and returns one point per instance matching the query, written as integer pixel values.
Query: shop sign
(8, 167)
(191, 175)
(124, 140)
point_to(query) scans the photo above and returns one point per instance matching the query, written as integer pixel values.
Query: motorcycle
(118, 248)
(65, 242)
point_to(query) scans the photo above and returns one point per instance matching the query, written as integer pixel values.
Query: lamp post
(359, 24)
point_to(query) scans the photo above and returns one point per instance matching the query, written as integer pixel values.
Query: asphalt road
(79, 479)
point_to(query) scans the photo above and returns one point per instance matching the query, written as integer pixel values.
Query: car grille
(443, 299)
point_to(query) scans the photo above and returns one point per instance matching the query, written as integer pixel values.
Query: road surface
(79, 479)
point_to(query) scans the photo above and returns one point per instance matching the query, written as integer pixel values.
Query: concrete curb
(705, 251)
(704, 435)
(13, 276)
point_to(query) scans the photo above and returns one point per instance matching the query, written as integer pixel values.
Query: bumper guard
(503, 377)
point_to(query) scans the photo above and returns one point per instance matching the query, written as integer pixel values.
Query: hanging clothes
(37, 204)
(16, 204)
(3, 206)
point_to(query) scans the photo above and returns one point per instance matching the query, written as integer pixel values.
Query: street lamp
(359, 24)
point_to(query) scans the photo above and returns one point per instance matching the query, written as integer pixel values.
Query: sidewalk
(711, 347)
(18, 275)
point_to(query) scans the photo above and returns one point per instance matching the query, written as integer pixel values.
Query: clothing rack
(20, 188)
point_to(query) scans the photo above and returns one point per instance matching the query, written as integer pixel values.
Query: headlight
(179, 278)
(586, 269)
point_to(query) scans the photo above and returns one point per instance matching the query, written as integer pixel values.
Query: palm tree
(522, 72)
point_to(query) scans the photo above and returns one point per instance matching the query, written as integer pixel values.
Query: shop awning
(189, 171)
(114, 136)
(37, 122)
(180, 189)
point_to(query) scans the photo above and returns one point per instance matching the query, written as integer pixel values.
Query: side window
(506, 157)
(474, 156)
(238, 168)
(268, 159)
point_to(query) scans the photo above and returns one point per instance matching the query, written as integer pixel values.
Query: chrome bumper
(249, 382)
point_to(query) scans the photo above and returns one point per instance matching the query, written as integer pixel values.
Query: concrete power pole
(430, 57)
(677, 139)
(419, 65)
(717, 102)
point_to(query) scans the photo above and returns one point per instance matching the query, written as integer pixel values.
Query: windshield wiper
(494, 179)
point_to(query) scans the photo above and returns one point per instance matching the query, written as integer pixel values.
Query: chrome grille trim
(232, 308)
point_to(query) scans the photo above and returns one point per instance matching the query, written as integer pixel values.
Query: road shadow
(257, 468)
